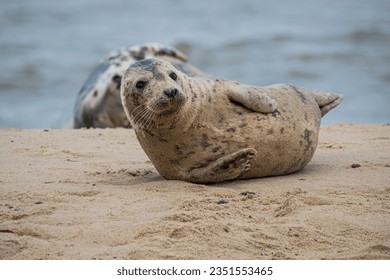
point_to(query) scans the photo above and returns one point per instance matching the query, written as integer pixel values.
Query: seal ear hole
(173, 76)
(141, 84)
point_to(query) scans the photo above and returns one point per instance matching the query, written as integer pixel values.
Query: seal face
(207, 130)
(98, 103)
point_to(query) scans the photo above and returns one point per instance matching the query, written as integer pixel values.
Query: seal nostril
(171, 92)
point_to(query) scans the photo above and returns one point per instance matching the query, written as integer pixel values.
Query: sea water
(48, 48)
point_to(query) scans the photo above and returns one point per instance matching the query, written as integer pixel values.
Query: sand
(93, 194)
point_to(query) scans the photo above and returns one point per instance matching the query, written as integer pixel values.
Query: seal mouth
(147, 115)
(167, 104)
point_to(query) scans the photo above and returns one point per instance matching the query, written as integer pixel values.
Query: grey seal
(208, 130)
(98, 103)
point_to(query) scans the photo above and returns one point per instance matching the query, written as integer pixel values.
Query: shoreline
(93, 194)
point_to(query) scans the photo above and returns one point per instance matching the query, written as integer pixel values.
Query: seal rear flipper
(253, 98)
(226, 168)
(327, 101)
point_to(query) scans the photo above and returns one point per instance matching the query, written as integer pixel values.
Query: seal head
(153, 93)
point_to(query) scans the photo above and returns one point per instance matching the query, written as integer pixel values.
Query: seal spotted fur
(98, 103)
(207, 130)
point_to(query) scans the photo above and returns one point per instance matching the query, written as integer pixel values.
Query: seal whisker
(138, 110)
(140, 114)
(141, 118)
(144, 119)
(150, 119)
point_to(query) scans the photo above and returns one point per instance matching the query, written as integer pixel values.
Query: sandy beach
(93, 194)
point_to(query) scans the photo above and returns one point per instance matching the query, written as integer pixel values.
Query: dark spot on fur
(221, 117)
(210, 99)
(231, 129)
(158, 76)
(178, 150)
(281, 130)
(174, 161)
(168, 52)
(270, 131)
(117, 80)
(225, 166)
(191, 89)
(162, 140)
(205, 141)
(300, 94)
(307, 136)
(95, 93)
(138, 55)
(146, 64)
(302, 97)
(194, 97)
(305, 116)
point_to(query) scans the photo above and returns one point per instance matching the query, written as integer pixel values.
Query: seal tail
(327, 101)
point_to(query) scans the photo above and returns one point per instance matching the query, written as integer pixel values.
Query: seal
(98, 103)
(208, 130)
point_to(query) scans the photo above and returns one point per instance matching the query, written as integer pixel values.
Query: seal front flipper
(225, 168)
(253, 98)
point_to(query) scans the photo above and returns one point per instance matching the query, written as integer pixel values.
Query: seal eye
(140, 84)
(173, 76)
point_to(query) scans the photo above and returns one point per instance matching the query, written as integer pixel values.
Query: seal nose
(171, 93)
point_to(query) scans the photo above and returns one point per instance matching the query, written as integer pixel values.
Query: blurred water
(48, 49)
